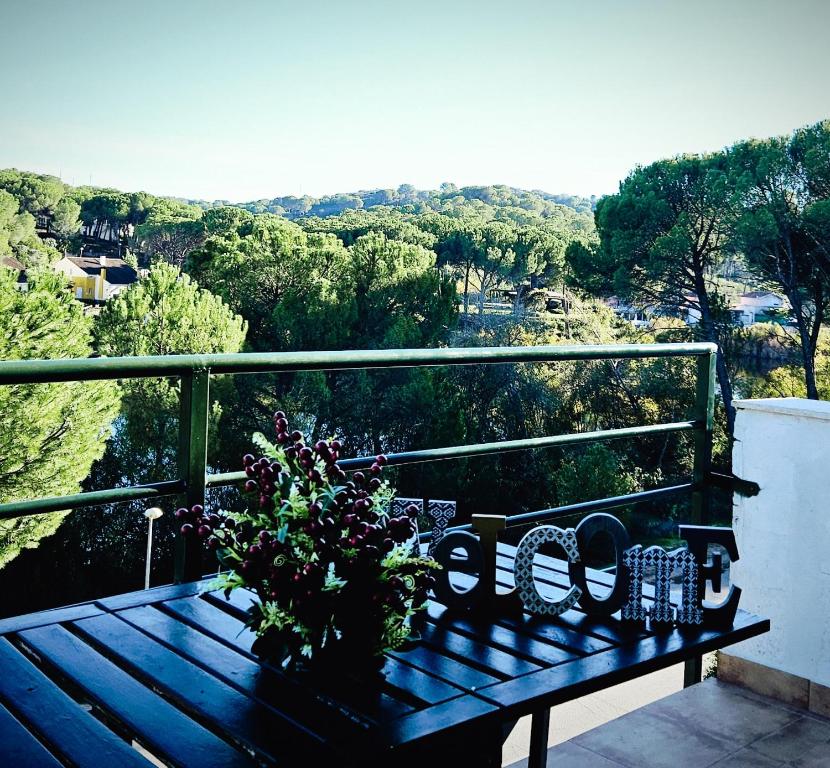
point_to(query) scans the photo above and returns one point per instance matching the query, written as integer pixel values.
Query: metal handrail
(195, 371)
(97, 368)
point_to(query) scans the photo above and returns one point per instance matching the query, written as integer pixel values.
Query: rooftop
(118, 271)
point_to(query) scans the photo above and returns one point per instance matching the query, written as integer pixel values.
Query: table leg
(692, 671)
(539, 726)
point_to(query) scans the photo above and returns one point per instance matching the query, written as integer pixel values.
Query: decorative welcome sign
(626, 594)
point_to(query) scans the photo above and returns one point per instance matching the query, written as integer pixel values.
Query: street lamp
(154, 513)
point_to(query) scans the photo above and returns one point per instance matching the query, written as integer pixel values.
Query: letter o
(585, 532)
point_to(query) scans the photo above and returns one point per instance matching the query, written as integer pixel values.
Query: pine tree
(50, 434)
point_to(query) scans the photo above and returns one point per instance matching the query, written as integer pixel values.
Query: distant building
(639, 317)
(754, 306)
(9, 262)
(96, 278)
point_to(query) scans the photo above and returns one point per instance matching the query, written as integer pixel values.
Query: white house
(640, 317)
(751, 306)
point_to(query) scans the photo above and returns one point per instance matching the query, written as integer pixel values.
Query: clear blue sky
(246, 99)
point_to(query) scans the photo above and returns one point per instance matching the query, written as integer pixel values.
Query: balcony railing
(194, 372)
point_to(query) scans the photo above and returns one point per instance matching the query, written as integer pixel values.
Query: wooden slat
(543, 628)
(485, 631)
(494, 661)
(18, 747)
(206, 697)
(18, 623)
(602, 670)
(209, 618)
(237, 602)
(247, 673)
(411, 680)
(450, 669)
(60, 722)
(154, 595)
(157, 725)
(435, 721)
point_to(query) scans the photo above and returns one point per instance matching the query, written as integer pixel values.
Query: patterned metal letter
(523, 569)
(633, 610)
(689, 610)
(438, 515)
(661, 612)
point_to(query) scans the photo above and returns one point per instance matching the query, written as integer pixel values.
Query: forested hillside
(405, 268)
(512, 203)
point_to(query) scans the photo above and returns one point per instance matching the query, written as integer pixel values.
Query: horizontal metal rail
(97, 368)
(583, 507)
(172, 487)
(90, 499)
(483, 449)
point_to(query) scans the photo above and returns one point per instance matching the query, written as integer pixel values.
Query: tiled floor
(711, 724)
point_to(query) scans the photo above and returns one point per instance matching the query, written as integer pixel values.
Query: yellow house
(96, 278)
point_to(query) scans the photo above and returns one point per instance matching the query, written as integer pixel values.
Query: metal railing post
(193, 435)
(704, 416)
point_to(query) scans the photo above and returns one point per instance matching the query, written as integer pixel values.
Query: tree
(50, 434)
(661, 236)
(36, 194)
(166, 313)
(783, 229)
(400, 299)
(66, 218)
(495, 257)
(351, 225)
(170, 232)
(18, 237)
(282, 280)
(456, 245)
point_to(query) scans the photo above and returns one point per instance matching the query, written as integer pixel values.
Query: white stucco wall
(783, 533)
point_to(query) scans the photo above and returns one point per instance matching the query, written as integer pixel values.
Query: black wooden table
(170, 671)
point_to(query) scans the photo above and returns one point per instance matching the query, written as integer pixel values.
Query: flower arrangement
(335, 575)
